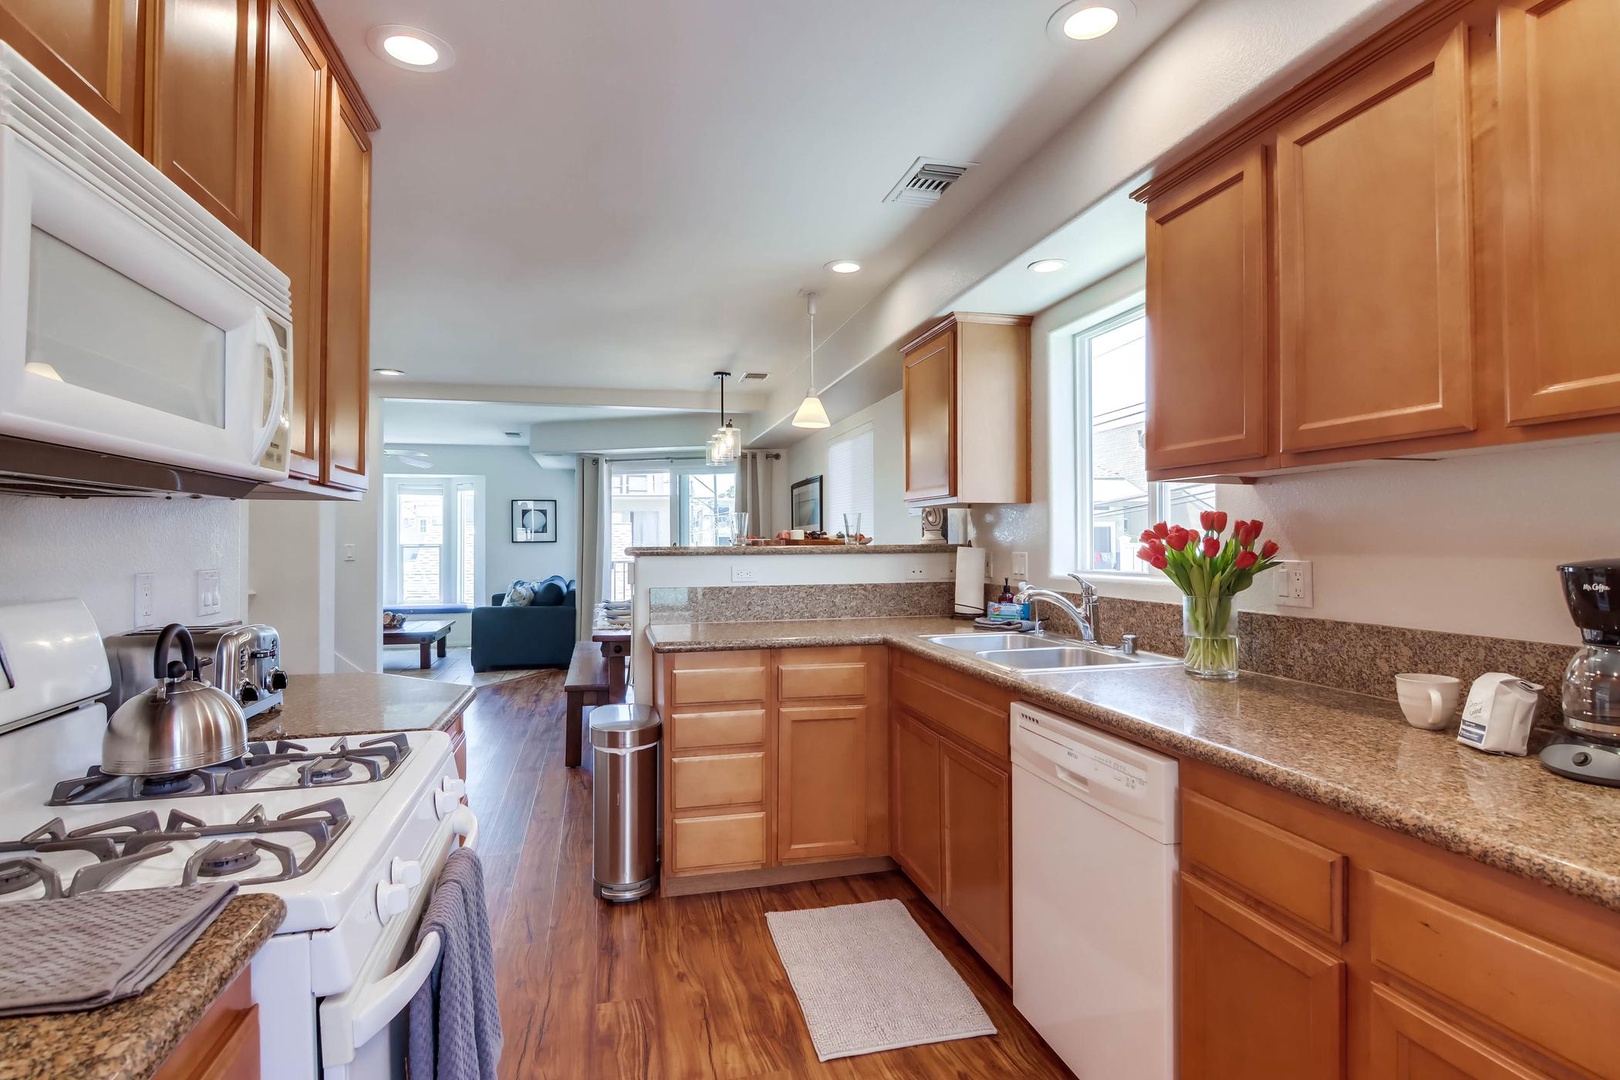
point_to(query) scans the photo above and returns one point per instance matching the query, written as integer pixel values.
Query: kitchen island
(133, 1038)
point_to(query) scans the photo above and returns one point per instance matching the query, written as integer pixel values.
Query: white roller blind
(849, 485)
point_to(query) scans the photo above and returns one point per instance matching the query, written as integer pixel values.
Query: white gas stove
(348, 832)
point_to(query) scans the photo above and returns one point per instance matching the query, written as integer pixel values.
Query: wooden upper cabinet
(967, 411)
(89, 48)
(291, 230)
(1375, 292)
(976, 837)
(202, 82)
(348, 288)
(1208, 277)
(1559, 136)
(1255, 1000)
(930, 409)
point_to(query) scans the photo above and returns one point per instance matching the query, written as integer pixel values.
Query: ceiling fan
(414, 458)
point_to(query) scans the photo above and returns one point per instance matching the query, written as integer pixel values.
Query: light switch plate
(145, 604)
(350, 552)
(1020, 565)
(208, 598)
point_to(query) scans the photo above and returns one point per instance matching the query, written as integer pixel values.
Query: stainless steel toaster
(244, 660)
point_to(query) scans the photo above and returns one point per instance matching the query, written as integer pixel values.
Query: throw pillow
(521, 594)
(549, 593)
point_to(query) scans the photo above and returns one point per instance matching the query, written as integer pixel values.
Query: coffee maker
(1589, 746)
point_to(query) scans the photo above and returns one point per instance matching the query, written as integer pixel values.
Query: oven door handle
(377, 1009)
(464, 823)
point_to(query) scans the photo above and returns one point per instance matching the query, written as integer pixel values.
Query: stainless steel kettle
(181, 724)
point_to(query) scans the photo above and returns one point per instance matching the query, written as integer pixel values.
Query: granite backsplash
(768, 603)
(1360, 657)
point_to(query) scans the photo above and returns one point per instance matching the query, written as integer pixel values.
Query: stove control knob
(392, 900)
(445, 803)
(407, 872)
(454, 786)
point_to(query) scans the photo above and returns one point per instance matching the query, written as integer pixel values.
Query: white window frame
(680, 471)
(449, 485)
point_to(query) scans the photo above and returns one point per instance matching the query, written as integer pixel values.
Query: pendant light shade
(811, 414)
(726, 443)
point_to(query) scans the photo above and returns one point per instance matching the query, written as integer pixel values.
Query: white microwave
(134, 326)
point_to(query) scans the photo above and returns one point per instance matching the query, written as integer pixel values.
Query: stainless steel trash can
(624, 758)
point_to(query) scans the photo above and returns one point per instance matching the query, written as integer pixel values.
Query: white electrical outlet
(1020, 565)
(208, 599)
(145, 604)
(742, 572)
(1293, 577)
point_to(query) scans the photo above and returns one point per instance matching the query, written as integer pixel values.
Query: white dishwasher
(1095, 838)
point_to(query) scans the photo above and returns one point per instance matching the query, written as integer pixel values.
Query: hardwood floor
(688, 988)
(455, 666)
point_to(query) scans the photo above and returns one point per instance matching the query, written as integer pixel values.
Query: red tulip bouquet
(1209, 571)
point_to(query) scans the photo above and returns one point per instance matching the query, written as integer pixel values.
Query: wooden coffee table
(425, 634)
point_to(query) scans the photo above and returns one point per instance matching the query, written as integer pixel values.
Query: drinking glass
(852, 526)
(739, 527)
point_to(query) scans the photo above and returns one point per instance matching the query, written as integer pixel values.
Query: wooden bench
(586, 687)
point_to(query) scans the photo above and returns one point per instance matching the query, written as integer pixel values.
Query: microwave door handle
(265, 337)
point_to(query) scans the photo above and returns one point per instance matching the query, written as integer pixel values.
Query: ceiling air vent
(753, 376)
(926, 181)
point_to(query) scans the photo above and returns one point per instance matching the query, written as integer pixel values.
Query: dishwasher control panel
(1123, 780)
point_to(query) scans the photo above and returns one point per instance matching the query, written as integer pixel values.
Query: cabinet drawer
(698, 730)
(718, 842)
(811, 681)
(721, 780)
(1287, 872)
(1555, 999)
(743, 681)
(972, 721)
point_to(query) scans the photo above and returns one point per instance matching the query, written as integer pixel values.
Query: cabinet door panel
(1208, 281)
(203, 81)
(1375, 302)
(291, 194)
(1411, 1043)
(1255, 1000)
(930, 405)
(821, 785)
(916, 809)
(348, 288)
(89, 48)
(1560, 141)
(976, 801)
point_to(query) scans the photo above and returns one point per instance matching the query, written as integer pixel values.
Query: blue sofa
(536, 635)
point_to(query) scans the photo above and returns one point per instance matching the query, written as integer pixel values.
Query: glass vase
(1212, 647)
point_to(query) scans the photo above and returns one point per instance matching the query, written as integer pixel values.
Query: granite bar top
(1343, 750)
(800, 549)
(129, 1039)
(357, 704)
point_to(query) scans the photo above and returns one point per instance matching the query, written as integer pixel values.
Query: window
(433, 540)
(657, 504)
(1117, 502)
(850, 471)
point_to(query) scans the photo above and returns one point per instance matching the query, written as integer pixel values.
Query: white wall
(1465, 544)
(509, 473)
(895, 523)
(293, 570)
(93, 548)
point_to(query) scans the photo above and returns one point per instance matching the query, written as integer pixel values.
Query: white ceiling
(485, 423)
(632, 194)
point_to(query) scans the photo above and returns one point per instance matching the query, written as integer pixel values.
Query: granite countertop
(1347, 751)
(799, 549)
(129, 1039)
(356, 704)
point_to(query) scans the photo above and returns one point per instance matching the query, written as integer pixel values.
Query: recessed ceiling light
(844, 266)
(410, 48)
(1086, 20)
(392, 372)
(1047, 266)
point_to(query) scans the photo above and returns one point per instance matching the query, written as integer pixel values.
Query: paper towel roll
(970, 567)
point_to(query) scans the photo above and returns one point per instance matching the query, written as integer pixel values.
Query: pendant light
(811, 414)
(726, 442)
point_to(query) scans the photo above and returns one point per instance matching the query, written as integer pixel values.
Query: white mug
(1429, 701)
(796, 534)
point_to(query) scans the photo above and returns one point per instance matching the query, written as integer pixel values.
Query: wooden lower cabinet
(224, 1044)
(951, 798)
(1255, 999)
(821, 800)
(1445, 969)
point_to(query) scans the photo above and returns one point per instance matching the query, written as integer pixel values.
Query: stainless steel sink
(975, 643)
(1054, 659)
